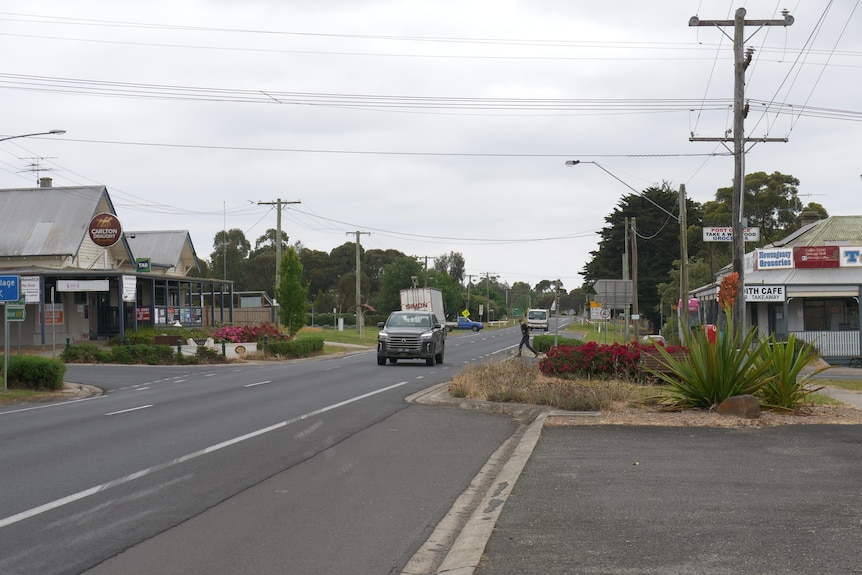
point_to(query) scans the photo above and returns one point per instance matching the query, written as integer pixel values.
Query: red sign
(144, 314)
(816, 257)
(105, 230)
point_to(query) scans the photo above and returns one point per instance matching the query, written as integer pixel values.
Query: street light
(683, 232)
(49, 133)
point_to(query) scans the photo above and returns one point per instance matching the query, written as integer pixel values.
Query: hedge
(35, 372)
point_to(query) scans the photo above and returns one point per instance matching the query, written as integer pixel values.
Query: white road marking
(194, 455)
(258, 383)
(128, 410)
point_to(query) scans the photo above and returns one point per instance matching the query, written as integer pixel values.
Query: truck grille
(405, 342)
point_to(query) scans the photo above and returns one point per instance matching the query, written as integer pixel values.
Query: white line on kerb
(194, 455)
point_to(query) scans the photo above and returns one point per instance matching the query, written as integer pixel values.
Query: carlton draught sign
(105, 230)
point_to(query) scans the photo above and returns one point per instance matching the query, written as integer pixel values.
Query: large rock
(744, 406)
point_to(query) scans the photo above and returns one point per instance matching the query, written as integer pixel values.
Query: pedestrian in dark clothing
(525, 338)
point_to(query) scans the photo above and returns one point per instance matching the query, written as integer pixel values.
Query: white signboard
(30, 288)
(129, 288)
(776, 259)
(713, 234)
(850, 257)
(82, 285)
(764, 293)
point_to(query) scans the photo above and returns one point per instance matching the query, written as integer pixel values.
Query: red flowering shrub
(237, 334)
(595, 360)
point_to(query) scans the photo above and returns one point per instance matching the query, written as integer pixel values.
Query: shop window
(830, 314)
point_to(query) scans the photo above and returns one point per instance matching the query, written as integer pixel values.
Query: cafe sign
(765, 293)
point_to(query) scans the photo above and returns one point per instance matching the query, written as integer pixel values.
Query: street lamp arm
(644, 196)
(49, 133)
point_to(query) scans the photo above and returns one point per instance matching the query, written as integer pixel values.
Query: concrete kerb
(459, 540)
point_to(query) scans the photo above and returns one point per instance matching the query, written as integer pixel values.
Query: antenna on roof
(36, 168)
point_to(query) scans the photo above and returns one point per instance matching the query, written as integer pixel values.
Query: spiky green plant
(712, 372)
(785, 390)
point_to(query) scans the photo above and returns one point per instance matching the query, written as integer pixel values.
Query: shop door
(108, 315)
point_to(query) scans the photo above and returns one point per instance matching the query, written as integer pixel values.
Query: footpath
(666, 500)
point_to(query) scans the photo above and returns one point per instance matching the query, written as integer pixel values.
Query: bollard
(68, 343)
(223, 349)
(179, 346)
(128, 344)
(265, 343)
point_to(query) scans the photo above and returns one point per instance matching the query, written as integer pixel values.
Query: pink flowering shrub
(592, 359)
(237, 334)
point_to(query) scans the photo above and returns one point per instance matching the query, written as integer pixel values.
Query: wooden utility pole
(741, 61)
(683, 263)
(635, 312)
(360, 327)
(278, 203)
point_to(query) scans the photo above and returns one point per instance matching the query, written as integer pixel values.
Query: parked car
(411, 335)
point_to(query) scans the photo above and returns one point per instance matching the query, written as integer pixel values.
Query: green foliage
(543, 343)
(785, 389)
(85, 353)
(292, 294)
(396, 277)
(35, 372)
(716, 371)
(299, 347)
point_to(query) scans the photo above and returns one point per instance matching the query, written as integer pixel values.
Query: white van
(537, 319)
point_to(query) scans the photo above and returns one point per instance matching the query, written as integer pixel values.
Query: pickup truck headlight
(427, 335)
(383, 336)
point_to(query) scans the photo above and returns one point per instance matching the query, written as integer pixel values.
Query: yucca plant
(785, 390)
(712, 372)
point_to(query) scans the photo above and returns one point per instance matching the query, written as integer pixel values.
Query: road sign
(15, 312)
(10, 288)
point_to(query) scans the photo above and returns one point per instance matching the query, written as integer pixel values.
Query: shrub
(784, 389)
(543, 343)
(35, 372)
(240, 334)
(592, 360)
(85, 353)
(712, 372)
(299, 347)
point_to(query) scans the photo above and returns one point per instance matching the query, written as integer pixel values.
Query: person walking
(525, 338)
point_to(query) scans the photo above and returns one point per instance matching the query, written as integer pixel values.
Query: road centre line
(258, 383)
(194, 455)
(128, 410)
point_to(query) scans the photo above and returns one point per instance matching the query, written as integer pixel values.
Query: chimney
(45, 182)
(808, 216)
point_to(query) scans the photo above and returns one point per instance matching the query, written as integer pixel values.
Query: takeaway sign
(764, 293)
(774, 259)
(713, 234)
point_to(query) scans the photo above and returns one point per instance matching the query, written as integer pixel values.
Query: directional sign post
(10, 291)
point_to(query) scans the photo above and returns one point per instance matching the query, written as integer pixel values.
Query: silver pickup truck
(411, 335)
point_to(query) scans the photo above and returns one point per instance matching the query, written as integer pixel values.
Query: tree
(317, 272)
(396, 277)
(292, 295)
(770, 202)
(230, 251)
(657, 238)
(266, 242)
(452, 264)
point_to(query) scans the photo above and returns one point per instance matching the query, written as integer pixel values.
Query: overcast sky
(434, 126)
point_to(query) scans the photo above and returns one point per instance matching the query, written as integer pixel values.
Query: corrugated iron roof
(171, 248)
(834, 230)
(48, 221)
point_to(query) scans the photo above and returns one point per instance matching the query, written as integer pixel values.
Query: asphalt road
(249, 468)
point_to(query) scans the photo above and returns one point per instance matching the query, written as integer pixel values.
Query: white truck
(425, 299)
(538, 319)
